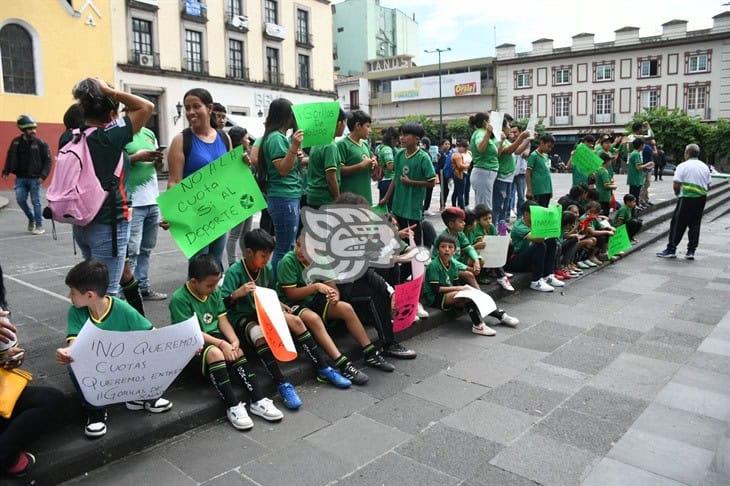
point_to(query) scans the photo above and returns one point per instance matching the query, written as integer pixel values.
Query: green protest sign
(211, 201)
(619, 242)
(318, 122)
(546, 222)
(381, 210)
(585, 160)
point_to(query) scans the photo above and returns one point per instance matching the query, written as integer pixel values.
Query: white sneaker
(238, 417)
(265, 409)
(153, 406)
(508, 320)
(553, 281)
(38, 230)
(506, 285)
(483, 330)
(421, 313)
(590, 263)
(541, 286)
(583, 265)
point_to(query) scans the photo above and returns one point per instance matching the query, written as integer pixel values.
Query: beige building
(598, 87)
(245, 52)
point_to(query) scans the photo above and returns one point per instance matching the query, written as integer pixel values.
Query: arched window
(16, 52)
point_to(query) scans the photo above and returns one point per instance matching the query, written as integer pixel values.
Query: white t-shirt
(694, 175)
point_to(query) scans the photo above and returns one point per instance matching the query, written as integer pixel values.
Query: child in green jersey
(627, 215)
(386, 158)
(88, 283)
(357, 159)
(238, 286)
(325, 164)
(485, 227)
(221, 350)
(593, 225)
(604, 184)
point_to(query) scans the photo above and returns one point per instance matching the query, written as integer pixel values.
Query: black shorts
(319, 305)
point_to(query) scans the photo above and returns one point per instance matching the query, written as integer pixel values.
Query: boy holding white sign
(238, 287)
(88, 282)
(478, 227)
(200, 296)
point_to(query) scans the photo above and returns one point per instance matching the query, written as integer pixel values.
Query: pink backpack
(75, 195)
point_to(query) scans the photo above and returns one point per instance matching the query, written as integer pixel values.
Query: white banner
(494, 254)
(115, 367)
(460, 84)
(484, 302)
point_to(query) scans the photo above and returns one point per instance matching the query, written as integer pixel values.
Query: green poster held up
(546, 222)
(318, 122)
(619, 242)
(380, 210)
(586, 160)
(211, 201)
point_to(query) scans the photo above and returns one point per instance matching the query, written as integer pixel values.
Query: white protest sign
(484, 302)
(115, 367)
(273, 324)
(496, 119)
(531, 125)
(417, 266)
(494, 254)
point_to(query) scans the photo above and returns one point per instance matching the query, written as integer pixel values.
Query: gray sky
(467, 26)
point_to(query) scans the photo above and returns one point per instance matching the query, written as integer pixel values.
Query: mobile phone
(161, 148)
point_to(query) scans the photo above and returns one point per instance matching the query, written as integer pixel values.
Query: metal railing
(305, 83)
(237, 73)
(195, 65)
(274, 77)
(304, 39)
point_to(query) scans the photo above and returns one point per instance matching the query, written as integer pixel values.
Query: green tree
(459, 129)
(539, 129)
(674, 130)
(716, 147)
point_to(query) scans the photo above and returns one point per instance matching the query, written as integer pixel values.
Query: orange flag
(273, 324)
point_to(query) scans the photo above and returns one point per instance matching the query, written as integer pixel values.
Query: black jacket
(38, 163)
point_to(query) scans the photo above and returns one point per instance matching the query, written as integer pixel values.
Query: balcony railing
(561, 120)
(304, 39)
(144, 60)
(274, 77)
(190, 65)
(305, 83)
(603, 118)
(195, 10)
(237, 73)
(237, 22)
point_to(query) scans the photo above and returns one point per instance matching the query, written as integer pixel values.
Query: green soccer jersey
(119, 316)
(440, 275)
(475, 235)
(542, 182)
(322, 159)
(484, 160)
(408, 200)
(636, 176)
(578, 177)
(290, 273)
(142, 179)
(358, 183)
(506, 164)
(385, 155)
(623, 216)
(603, 178)
(238, 275)
(519, 233)
(464, 249)
(275, 147)
(184, 303)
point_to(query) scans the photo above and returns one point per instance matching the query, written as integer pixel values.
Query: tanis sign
(388, 63)
(461, 84)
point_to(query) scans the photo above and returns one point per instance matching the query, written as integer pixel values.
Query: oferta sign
(460, 84)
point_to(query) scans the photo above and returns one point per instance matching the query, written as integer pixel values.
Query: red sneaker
(22, 465)
(560, 275)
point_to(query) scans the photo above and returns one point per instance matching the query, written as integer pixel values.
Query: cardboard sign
(115, 367)
(546, 222)
(531, 125)
(619, 242)
(273, 324)
(381, 210)
(417, 266)
(585, 160)
(484, 302)
(406, 297)
(211, 201)
(496, 119)
(318, 121)
(494, 254)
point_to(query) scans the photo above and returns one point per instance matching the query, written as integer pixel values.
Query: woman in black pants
(36, 408)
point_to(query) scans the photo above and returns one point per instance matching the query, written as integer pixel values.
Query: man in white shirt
(691, 184)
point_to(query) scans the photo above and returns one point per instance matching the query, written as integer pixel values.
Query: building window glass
(272, 65)
(233, 7)
(604, 72)
(302, 26)
(304, 81)
(562, 76)
(193, 51)
(523, 107)
(235, 58)
(142, 36)
(698, 63)
(649, 68)
(648, 98)
(16, 51)
(696, 99)
(562, 106)
(604, 107)
(271, 11)
(354, 99)
(524, 79)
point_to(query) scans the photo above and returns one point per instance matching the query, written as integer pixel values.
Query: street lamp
(441, 101)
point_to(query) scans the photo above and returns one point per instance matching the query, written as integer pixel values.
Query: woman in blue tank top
(207, 144)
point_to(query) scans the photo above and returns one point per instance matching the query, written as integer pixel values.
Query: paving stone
(491, 421)
(614, 334)
(357, 439)
(421, 367)
(721, 461)
(529, 399)
(610, 472)
(546, 461)
(228, 446)
(556, 329)
(700, 313)
(715, 346)
(447, 348)
(715, 479)
(537, 341)
(145, 468)
(304, 466)
(331, 404)
(669, 458)
(452, 451)
(384, 385)
(695, 400)
(394, 468)
(554, 378)
(586, 354)
(296, 425)
(489, 475)
(635, 376)
(580, 430)
(406, 412)
(661, 351)
(447, 391)
(496, 365)
(703, 379)
(231, 478)
(680, 425)
(710, 361)
(606, 405)
(686, 327)
(665, 336)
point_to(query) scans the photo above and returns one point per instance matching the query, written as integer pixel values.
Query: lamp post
(441, 100)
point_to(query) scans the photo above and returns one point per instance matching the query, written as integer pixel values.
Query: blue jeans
(383, 186)
(32, 185)
(467, 186)
(95, 241)
(285, 215)
(501, 197)
(457, 198)
(519, 187)
(142, 240)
